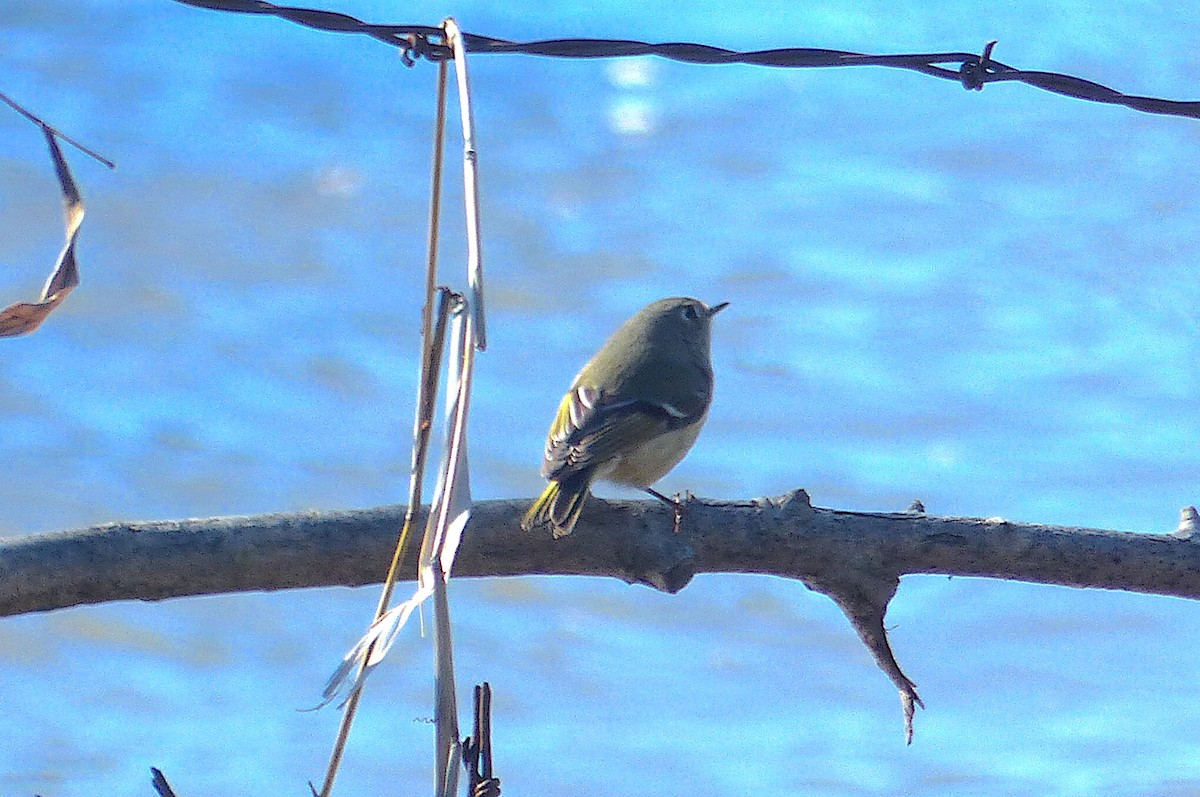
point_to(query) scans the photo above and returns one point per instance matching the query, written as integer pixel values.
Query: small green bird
(632, 413)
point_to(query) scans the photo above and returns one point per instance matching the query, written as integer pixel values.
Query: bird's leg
(675, 503)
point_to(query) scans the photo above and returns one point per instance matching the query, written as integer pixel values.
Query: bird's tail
(559, 504)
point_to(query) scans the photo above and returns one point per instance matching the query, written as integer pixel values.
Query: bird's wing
(590, 429)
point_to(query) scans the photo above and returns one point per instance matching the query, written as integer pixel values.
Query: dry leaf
(25, 317)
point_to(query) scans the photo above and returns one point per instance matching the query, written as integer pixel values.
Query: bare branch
(856, 558)
(630, 540)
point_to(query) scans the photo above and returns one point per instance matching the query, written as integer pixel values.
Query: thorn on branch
(1189, 523)
(863, 594)
(866, 615)
(795, 502)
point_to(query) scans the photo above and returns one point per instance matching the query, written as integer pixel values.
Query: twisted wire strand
(972, 70)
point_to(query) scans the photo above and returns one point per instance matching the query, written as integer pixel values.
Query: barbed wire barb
(970, 69)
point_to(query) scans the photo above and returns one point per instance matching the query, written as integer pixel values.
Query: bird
(633, 411)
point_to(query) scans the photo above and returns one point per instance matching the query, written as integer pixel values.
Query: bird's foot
(677, 504)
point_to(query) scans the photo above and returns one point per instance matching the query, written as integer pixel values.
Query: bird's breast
(650, 461)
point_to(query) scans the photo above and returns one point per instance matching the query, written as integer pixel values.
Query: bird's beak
(716, 308)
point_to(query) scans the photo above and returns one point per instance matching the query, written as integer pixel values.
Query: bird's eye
(690, 313)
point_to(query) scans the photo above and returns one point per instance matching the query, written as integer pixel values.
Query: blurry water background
(984, 300)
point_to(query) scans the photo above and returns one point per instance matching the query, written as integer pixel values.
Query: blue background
(984, 300)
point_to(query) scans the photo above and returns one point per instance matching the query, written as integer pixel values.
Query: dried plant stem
(37, 120)
(432, 345)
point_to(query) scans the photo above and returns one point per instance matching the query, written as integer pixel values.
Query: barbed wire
(973, 71)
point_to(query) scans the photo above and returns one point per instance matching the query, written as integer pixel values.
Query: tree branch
(856, 558)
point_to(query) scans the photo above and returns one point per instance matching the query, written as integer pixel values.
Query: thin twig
(425, 407)
(159, 781)
(37, 120)
(477, 750)
(432, 341)
(485, 731)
